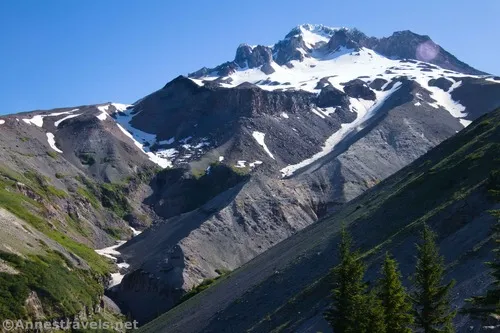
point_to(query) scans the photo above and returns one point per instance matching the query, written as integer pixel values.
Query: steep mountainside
(285, 289)
(224, 163)
(65, 180)
(311, 132)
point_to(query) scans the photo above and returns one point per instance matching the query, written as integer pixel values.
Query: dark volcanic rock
(243, 53)
(358, 89)
(441, 83)
(401, 79)
(176, 191)
(226, 69)
(323, 82)
(377, 84)
(246, 56)
(267, 69)
(288, 50)
(477, 95)
(331, 96)
(341, 39)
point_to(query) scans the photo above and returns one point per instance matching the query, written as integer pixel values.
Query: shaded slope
(285, 287)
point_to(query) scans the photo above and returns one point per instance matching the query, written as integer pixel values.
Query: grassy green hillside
(453, 188)
(46, 248)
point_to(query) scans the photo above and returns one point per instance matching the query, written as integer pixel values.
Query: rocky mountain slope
(228, 162)
(66, 177)
(311, 133)
(452, 188)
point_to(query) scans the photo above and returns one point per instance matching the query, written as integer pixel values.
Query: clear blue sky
(56, 53)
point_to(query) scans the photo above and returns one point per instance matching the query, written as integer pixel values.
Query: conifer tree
(432, 309)
(353, 310)
(374, 321)
(349, 289)
(396, 303)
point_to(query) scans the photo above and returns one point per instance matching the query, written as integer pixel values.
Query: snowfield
(342, 66)
(111, 253)
(52, 142)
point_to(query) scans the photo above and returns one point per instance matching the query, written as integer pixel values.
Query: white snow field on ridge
(318, 67)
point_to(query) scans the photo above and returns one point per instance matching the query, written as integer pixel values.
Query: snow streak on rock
(259, 137)
(52, 142)
(363, 115)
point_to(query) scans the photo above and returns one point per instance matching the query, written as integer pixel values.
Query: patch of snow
(221, 158)
(36, 120)
(159, 160)
(490, 79)
(121, 107)
(465, 122)
(111, 252)
(135, 231)
(103, 108)
(444, 99)
(316, 112)
(2, 121)
(167, 142)
(116, 279)
(284, 115)
(52, 142)
(56, 124)
(241, 164)
(314, 34)
(167, 153)
(185, 140)
(254, 164)
(259, 137)
(417, 104)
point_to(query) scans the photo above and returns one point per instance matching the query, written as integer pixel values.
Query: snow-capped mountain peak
(327, 75)
(313, 33)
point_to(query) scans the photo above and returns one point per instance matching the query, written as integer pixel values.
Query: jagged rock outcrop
(341, 39)
(252, 57)
(359, 89)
